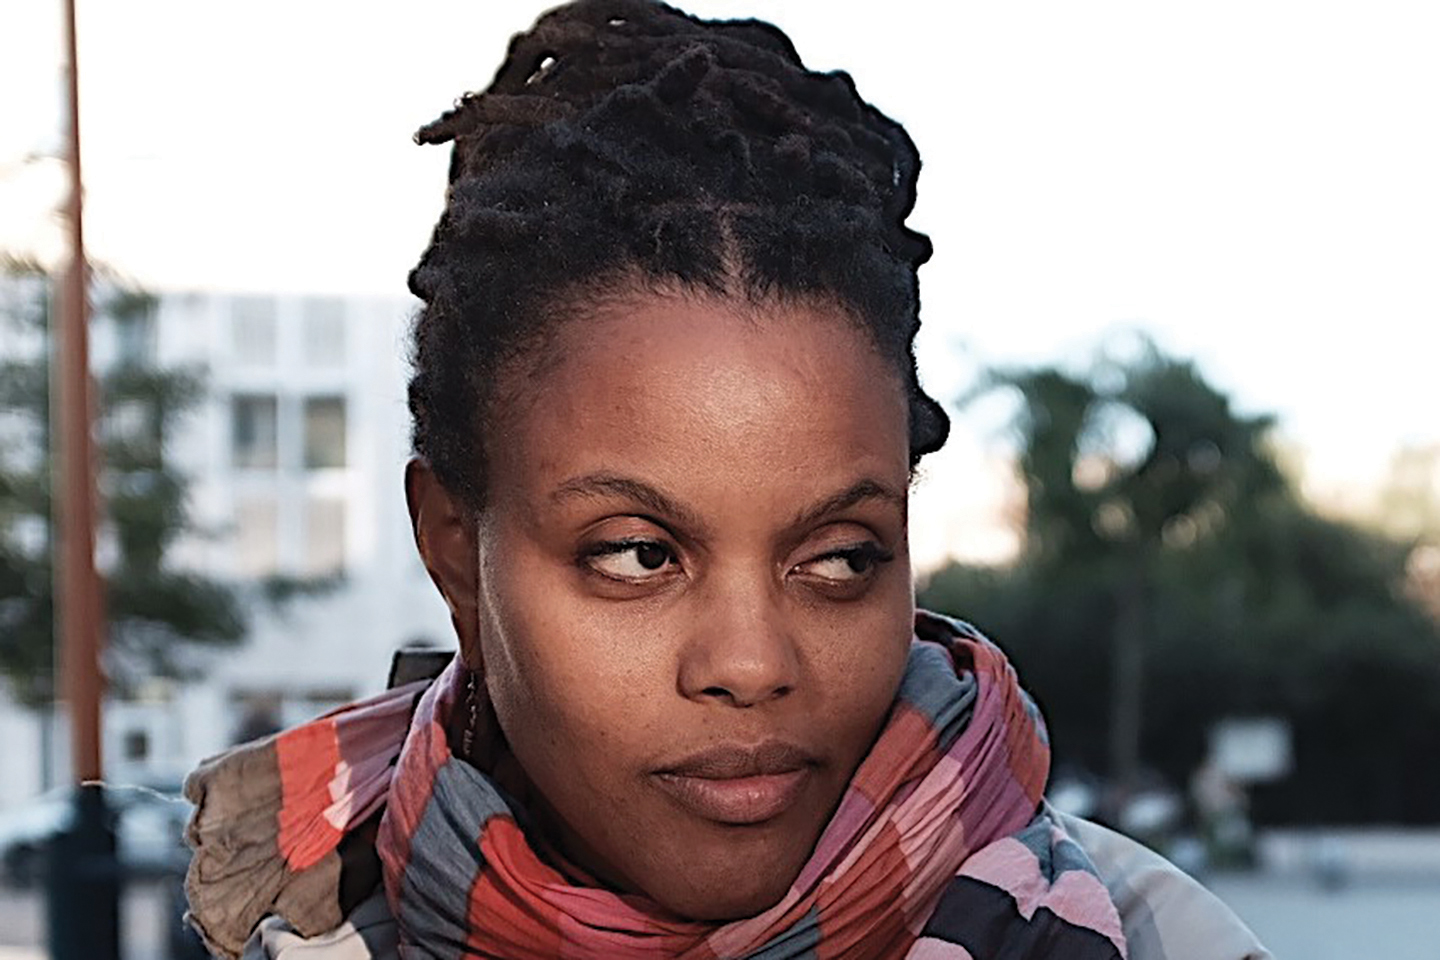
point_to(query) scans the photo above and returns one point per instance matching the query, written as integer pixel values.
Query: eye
(630, 560)
(847, 564)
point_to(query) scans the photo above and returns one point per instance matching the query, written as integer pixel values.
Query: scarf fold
(940, 847)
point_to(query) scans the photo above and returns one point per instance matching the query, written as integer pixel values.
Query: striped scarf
(940, 847)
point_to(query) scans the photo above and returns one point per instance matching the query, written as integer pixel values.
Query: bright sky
(1255, 183)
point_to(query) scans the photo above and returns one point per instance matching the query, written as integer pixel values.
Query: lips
(738, 785)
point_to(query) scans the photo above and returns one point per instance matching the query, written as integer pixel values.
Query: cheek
(855, 641)
(860, 668)
(859, 661)
(566, 688)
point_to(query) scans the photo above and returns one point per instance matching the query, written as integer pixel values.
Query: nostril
(724, 693)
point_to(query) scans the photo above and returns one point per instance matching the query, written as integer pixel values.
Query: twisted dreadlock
(623, 140)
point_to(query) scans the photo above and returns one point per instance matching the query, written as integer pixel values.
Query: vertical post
(78, 607)
(83, 880)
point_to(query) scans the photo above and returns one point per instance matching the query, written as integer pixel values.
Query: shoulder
(367, 934)
(1166, 914)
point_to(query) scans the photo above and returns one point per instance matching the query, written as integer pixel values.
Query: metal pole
(78, 607)
(83, 880)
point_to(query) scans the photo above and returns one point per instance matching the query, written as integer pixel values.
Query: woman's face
(693, 590)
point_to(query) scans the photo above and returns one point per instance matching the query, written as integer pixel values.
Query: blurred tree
(1171, 572)
(1409, 501)
(1408, 508)
(153, 610)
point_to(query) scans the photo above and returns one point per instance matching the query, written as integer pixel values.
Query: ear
(445, 533)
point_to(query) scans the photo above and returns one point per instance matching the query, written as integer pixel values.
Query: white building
(296, 459)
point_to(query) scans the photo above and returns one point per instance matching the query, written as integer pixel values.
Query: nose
(740, 652)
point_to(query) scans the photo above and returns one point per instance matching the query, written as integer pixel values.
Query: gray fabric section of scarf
(435, 892)
(797, 943)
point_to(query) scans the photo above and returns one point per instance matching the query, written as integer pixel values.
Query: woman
(665, 415)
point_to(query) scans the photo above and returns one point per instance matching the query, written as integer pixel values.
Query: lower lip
(742, 800)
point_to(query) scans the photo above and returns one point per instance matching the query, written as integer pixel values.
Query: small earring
(472, 706)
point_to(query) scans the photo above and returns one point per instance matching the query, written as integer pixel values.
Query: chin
(735, 881)
(729, 901)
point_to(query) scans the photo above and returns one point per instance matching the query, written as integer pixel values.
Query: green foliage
(154, 612)
(1246, 601)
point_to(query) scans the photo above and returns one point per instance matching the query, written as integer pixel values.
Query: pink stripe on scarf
(1076, 897)
(423, 754)
(928, 948)
(335, 772)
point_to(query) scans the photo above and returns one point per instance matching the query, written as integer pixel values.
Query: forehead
(704, 395)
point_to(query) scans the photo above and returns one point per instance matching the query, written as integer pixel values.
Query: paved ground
(145, 913)
(1397, 919)
(22, 924)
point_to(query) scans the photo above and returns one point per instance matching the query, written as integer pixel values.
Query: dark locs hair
(624, 140)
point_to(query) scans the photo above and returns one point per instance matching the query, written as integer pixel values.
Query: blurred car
(149, 831)
(1152, 813)
(1075, 791)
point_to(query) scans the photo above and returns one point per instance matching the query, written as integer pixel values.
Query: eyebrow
(593, 485)
(857, 493)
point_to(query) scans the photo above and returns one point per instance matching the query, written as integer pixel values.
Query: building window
(135, 335)
(324, 536)
(324, 329)
(257, 544)
(253, 329)
(131, 424)
(252, 440)
(135, 746)
(260, 715)
(324, 432)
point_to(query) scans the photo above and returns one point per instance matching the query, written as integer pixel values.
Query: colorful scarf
(940, 847)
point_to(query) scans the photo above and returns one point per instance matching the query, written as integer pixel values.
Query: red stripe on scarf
(503, 925)
(1029, 754)
(871, 926)
(907, 743)
(307, 757)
